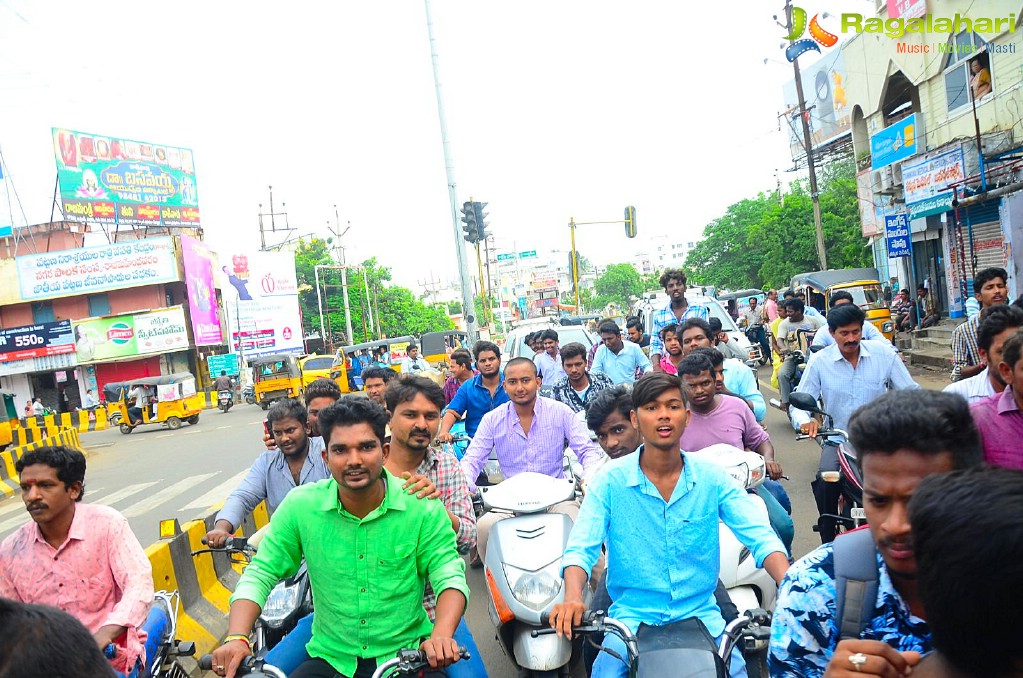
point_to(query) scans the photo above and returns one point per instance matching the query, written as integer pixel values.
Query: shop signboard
(895, 143)
(896, 227)
(906, 9)
(110, 180)
(125, 336)
(88, 270)
(202, 300)
(36, 341)
(260, 292)
(927, 182)
(222, 363)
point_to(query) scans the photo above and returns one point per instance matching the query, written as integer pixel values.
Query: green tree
(761, 243)
(616, 285)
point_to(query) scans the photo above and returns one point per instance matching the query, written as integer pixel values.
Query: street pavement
(155, 473)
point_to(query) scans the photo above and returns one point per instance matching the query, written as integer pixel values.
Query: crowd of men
(356, 485)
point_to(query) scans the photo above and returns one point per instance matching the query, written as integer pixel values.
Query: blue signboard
(227, 363)
(894, 143)
(896, 231)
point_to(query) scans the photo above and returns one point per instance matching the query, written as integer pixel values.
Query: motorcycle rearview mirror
(805, 402)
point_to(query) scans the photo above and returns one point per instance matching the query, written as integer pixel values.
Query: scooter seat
(685, 644)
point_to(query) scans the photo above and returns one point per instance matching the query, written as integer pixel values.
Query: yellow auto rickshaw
(8, 419)
(167, 399)
(321, 367)
(382, 353)
(275, 377)
(435, 347)
(862, 283)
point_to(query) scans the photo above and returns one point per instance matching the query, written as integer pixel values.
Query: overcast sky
(555, 109)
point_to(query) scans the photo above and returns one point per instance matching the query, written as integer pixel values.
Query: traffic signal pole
(449, 167)
(630, 232)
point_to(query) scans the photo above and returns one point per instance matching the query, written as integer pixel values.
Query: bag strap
(855, 581)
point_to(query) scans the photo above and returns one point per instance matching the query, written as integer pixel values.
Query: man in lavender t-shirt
(717, 418)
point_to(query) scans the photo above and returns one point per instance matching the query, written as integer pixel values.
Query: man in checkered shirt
(990, 289)
(673, 281)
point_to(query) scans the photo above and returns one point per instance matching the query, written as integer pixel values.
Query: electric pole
(808, 147)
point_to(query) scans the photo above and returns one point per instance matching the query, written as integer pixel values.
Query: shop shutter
(989, 245)
(125, 370)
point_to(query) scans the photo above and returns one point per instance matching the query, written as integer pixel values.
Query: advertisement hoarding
(202, 300)
(125, 336)
(898, 141)
(896, 228)
(906, 9)
(824, 86)
(927, 182)
(110, 180)
(865, 202)
(260, 292)
(87, 270)
(36, 341)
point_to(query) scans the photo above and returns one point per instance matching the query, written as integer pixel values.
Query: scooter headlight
(535, 590)
(492, 470)
(740, 472)
(887, 327)
(280, 604)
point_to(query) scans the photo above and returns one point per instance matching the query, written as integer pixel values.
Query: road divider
(205, 582)
(9, 477)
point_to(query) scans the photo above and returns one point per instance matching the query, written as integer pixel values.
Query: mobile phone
(266, 427)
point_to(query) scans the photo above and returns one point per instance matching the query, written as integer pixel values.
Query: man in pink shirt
(771, 305)
(1000, 418)
(80, 558)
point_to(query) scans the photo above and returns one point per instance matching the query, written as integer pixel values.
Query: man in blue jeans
(658, 574)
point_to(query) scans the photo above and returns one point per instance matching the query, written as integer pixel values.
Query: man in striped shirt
(678, 309)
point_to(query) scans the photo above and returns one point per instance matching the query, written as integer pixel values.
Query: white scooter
(523, 569)
(749, 587)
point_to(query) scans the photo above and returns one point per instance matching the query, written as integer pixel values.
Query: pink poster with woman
(202, 300)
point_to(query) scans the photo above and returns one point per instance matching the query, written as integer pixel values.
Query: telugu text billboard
(124, 336)
(87, 270)
(110, 180)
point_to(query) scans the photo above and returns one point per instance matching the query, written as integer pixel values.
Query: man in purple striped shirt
(529, 434)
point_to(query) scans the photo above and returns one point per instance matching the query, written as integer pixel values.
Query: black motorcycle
(838, 487)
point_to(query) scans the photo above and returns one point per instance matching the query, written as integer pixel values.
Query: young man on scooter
(969, 546)
(900, 439)
(414, 405)
(361, 523)
(659, 573)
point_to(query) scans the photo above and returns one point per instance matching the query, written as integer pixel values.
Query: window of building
(99, 304)
(42, 312)
(967, 70)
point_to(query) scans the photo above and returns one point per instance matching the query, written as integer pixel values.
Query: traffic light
(481, 224)
(630, 222)
(469, 218)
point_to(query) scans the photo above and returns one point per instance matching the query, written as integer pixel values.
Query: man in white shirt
(548, 361)
(413, 363)
(997, 324)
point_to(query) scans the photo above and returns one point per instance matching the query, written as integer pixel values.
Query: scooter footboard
(543, 653)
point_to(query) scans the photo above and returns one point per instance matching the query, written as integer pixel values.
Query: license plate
(859, 514)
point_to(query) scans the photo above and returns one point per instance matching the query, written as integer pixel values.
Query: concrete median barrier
(205, 582)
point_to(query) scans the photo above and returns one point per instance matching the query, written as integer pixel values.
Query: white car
(515, 344)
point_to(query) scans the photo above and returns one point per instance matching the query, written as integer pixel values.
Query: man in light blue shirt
(617, 358)
(846, 375)
(658, 511)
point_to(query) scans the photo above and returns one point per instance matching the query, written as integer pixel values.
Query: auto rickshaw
(166, 399)
(318, 366)
(275, 377)
(393, 355)
(862, 283)
(435, 347)
(8, 418)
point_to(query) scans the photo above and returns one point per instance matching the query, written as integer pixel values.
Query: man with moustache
(388, 545)
(479, 395)
(375, 380)
(901, 438)
(848, 374)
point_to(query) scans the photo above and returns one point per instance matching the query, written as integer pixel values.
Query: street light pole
(449, 168)
(808, 146)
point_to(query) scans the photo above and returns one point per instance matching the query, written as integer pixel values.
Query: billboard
(865, 202)
(906, 9)
(824, 86)
(260, 292)
(36, 341)
(109, 180)
(202, 300)
(895, 142)
(125, 336)
(927, 182)
(87, 270)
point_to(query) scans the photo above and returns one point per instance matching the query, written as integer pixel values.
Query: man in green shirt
(369, 548)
